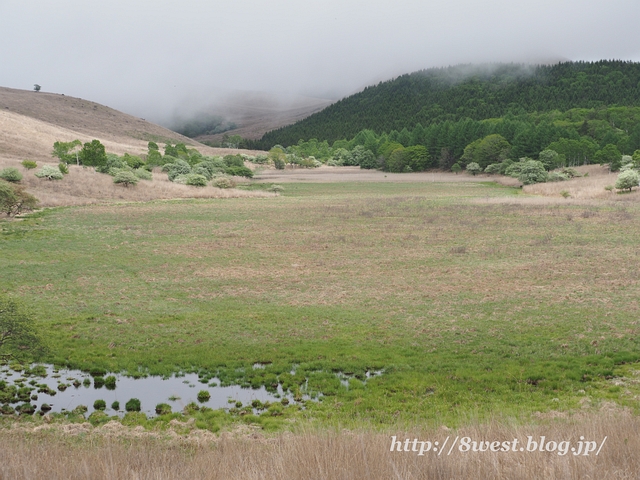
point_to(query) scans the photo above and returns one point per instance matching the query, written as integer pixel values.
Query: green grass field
(475, 305)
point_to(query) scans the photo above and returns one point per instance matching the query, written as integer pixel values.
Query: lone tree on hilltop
(36, 87)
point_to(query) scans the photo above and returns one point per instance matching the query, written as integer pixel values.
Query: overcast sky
(146, 57)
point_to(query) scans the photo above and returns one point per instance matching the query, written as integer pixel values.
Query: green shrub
(64, 168)
(112, 165)
(125, 178)
(93, 154)
(239, 172)
(627, 180)
(203, 170)
(473, 168)
(50, 173)
(14, 199)
(154, 159)
(493, 168)
(261, 159)
(233, 160)
(196, 180)
(115, 405)
(143, 174)
(98, 382)
(132, 405)
(177, 168)
(11, 174)
(532, 171)
(557, 177)
(99, 405)
(276, 188)
(222, 182)
(163, 408)
(133, 161)
(204, 396)
(29, 164)
(455, 168)
(513, 170)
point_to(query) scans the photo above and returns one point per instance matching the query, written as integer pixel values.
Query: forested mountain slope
(455, 94)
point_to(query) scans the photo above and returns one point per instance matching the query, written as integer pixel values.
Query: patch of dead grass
(84, 186)
(114, 452)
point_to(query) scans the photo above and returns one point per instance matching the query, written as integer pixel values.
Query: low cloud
(160, 60)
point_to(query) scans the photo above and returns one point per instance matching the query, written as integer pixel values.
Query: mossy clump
(110, 382)
(80, 410)
(45, 407)
(132, 405)
(98, 382)
(98, 418)
(204, 396)
(163, 408)
(115, 405)
(99, 405)
(191, 408)
(26, 409)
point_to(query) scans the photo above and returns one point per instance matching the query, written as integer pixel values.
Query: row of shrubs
(526, 170)
(529, 171)
(13, 175)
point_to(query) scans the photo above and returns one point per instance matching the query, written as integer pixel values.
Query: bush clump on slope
(49, 172)
(10, 174)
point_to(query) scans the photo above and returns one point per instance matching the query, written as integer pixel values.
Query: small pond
(177, 391)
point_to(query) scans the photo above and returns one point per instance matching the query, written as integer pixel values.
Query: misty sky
(147, 57)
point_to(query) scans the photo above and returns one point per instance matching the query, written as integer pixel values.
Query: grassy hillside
(472, 303)
(468, 92)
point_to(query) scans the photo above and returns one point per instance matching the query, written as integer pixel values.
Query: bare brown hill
(31, 122)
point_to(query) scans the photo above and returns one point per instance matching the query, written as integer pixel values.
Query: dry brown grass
(84, 186)
(591, 187)
(81, 452)
(327, 174)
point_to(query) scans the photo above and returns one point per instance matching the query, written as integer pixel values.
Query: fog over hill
(151, 59)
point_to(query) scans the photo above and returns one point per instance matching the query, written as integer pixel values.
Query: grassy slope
(473, 309)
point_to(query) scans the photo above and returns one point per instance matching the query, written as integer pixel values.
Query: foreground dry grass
(108, 453)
